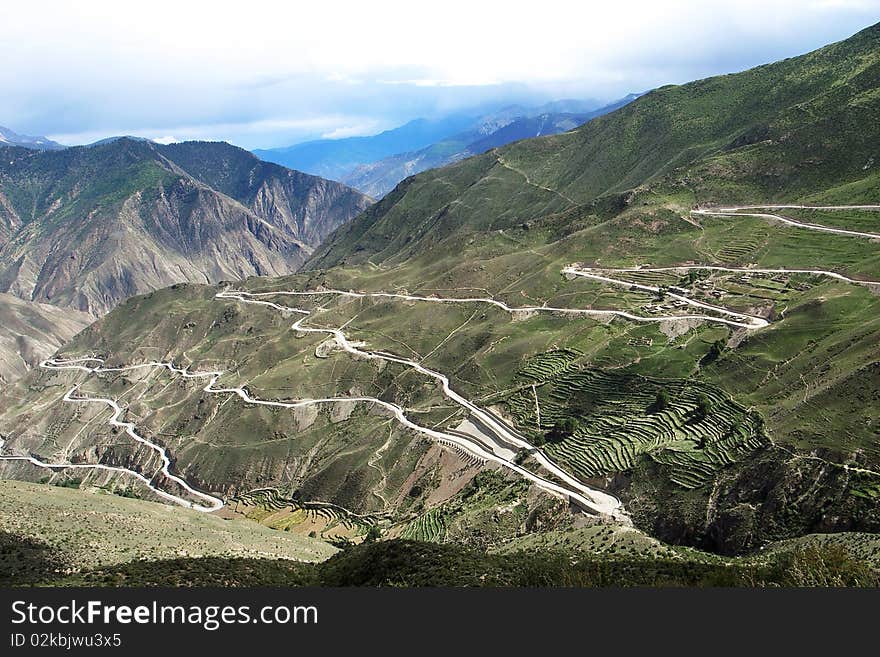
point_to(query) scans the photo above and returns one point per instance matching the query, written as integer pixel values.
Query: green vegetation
(326, 521)
(661, 401)
(714, 140)
(44, 548)
(430, 526)
(413, 563)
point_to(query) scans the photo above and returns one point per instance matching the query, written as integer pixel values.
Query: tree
(661, 401)
(714, 353)
(562, 429)
(568, 425)
(373, 534)
(704, 407)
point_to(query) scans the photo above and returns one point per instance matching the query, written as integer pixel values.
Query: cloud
(287, 71)
(427, 82)
(367, 127)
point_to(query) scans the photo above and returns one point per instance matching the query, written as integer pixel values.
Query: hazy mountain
(375, 164)
(10, 138)
(332, 158)
(87, 227)
(496, 129)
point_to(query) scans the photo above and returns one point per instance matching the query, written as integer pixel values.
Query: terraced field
(743, 247)
(430, 526)
(599, 422)
(320, 519)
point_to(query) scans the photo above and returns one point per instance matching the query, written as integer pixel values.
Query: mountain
(490, 131)
(33, 332)
(87, 227)
(331, 158)
(559, 343)
(619, 192)
(10, 138)
(305, 206)
(799, 128)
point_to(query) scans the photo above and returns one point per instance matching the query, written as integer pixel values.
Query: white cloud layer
(261, 72)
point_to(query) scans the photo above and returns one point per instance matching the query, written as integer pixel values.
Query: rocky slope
(87, 227)
(32, 332)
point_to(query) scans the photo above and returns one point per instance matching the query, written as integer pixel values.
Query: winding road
(742, 320)
(736, 212)
(496, 441)
(214, 503)
(734, 270)
(502, 435)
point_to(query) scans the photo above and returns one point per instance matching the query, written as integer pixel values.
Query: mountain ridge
(330, 158)
(160, 221)
(11, 138)
(662, 135)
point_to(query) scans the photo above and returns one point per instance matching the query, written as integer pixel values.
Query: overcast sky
(261, 74)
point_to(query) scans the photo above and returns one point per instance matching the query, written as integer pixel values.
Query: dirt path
(735, 212)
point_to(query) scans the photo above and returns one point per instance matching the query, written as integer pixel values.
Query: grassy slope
(117, 541)
(414, 563)
(800, 129)
(86, 530)
(220, 443)
(617, 192)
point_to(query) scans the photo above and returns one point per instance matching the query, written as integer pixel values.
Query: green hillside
(805, 128)
(110, 530)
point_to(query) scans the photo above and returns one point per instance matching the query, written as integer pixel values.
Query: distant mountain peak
(9, 137)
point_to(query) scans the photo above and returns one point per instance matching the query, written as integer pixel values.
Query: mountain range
(332, 158)
(650, 340)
